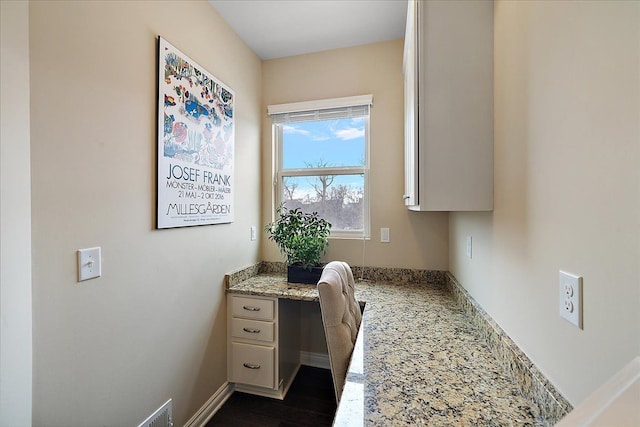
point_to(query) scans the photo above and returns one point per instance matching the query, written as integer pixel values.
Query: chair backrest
(341, 317)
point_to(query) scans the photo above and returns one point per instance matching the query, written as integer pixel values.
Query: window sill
(348, 237)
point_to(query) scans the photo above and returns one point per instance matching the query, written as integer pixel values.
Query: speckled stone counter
(422, 362)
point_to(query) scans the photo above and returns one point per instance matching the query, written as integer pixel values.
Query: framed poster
(196, 134)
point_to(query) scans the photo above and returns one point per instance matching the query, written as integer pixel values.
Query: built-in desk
(418, 360)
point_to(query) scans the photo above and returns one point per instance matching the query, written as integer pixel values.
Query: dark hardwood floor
(309, 402)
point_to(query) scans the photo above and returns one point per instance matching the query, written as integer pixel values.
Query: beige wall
(567, 176)
(111, 350)
(153, 326)
(418, 239)
(15, 218)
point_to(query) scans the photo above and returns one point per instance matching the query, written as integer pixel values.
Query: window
(322, 160)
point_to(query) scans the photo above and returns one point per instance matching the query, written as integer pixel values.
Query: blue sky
(336, 142)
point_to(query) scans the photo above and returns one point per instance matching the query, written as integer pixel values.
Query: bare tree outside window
(289, 189)
(321, 183)
(339, 203)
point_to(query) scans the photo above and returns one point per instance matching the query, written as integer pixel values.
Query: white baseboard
(211, 406)
(317, 360)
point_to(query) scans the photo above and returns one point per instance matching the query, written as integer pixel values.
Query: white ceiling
(278, 28)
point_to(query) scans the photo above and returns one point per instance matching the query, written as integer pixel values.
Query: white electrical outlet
(253, 232)
(469, 247)
(89, 264)
(571, 298)
(384, 235)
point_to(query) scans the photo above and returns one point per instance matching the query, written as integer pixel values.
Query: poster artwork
(195, 143)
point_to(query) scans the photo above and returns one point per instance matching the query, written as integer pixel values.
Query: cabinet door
(410, 64)
(448, 69)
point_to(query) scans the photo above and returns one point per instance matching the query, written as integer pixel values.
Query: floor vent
(163, 417)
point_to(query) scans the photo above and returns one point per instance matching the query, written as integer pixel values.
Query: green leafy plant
(302, 237)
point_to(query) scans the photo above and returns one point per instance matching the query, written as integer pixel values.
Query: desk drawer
(253, 364)
(252, 308)
(252, 329)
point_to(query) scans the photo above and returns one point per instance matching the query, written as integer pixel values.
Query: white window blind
(326, 109)
(328, 114)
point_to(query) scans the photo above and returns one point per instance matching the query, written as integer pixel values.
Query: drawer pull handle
(249, 308)
(251, 331)
(251, 366)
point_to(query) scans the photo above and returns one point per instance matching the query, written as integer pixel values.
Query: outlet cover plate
(570, 288)
(384, 235)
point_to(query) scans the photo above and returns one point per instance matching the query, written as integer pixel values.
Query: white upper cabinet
(448, 69)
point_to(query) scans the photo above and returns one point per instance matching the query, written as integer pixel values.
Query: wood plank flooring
(309, 402)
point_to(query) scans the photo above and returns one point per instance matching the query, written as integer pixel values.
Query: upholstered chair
(341, 317)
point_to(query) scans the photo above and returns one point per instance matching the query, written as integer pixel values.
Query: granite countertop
(419, 361)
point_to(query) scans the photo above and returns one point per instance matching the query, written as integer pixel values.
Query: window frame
(281, 173)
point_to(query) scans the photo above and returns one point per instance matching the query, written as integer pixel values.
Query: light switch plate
(89, 264)
(253, 232)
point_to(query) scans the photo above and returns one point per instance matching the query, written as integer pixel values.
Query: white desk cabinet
(263, 344)
(448, 68)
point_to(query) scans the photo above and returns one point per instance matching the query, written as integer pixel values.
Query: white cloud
(349, 133)
(291, 129)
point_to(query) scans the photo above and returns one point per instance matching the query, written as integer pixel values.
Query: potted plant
(302, 239)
